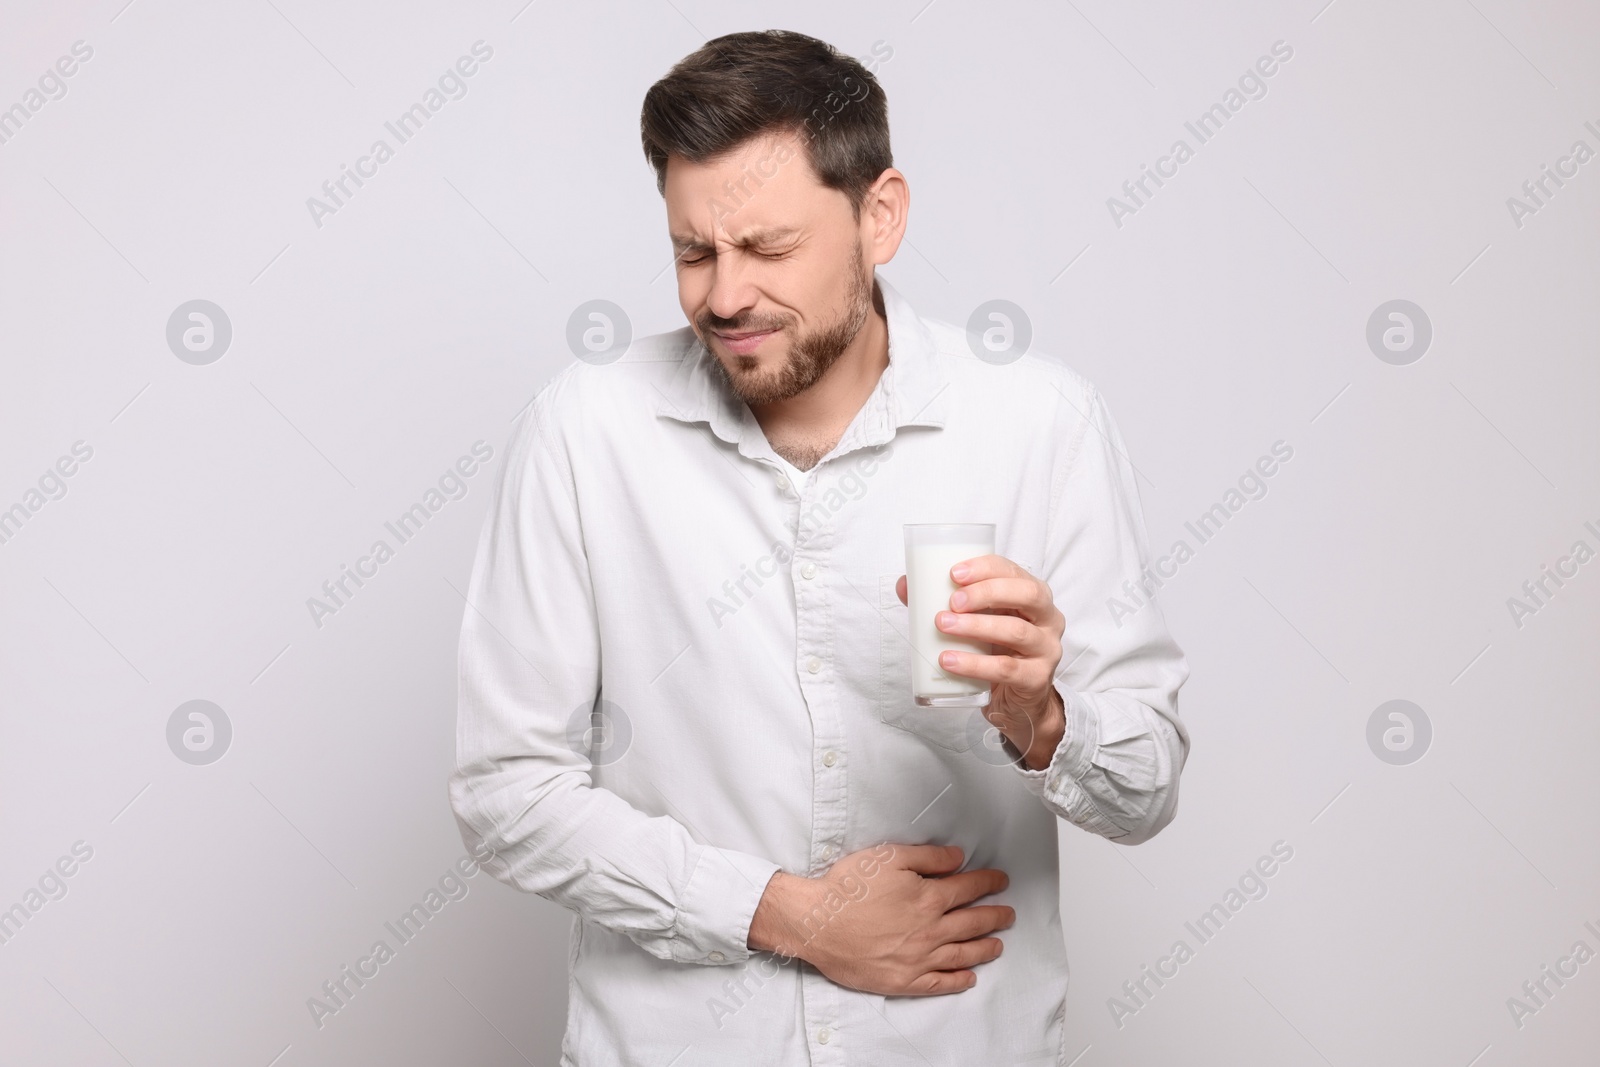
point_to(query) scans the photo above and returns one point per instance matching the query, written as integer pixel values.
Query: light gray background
(368, 354)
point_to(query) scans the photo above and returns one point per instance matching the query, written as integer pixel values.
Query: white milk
(928, 589)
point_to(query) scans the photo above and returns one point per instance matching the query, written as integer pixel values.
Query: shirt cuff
(1057, 782)
(713, 919)
(1071, 757)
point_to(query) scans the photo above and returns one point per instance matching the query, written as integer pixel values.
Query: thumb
(928, 859)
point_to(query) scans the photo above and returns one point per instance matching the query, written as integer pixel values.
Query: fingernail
(958, 600)
(959, 572)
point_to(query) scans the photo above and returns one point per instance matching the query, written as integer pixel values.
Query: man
(685, 708)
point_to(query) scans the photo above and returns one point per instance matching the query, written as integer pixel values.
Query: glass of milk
(932, 548)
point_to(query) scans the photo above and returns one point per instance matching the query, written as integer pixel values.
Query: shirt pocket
(949, 728)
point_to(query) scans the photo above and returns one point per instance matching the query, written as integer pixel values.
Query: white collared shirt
(751, 663)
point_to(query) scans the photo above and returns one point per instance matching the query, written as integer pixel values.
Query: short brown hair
(744, 84)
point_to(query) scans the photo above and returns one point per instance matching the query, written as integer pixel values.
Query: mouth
(743, 344)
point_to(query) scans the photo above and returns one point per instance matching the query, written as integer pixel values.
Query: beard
(810, 355)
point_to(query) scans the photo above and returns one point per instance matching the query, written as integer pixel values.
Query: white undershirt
(796, 475)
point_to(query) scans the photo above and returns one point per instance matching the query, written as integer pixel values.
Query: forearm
(590, 851)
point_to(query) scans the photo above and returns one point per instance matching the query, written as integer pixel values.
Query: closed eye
(693, 259)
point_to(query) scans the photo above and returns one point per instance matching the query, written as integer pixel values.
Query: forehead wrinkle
(762, 235)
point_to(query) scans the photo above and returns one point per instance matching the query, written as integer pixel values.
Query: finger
(900, 590)
(1026, 674)
(934, 983)
(927, 859)
(1020, 635)
(980, 920)
(979, 568)
(1025, 595)
(961, 954)
(959, 889)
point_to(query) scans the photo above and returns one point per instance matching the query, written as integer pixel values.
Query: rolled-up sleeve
(1115, 772)
(521, 789)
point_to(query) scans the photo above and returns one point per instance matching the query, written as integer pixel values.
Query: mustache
(709, 323)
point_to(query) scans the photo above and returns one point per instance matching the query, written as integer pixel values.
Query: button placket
(820, 1003)
(815, 661)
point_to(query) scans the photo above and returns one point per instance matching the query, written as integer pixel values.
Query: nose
(731, 293)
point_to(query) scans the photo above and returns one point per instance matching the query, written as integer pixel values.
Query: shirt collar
(911, 391)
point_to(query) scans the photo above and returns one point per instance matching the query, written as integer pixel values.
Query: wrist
(1047, 737)
(773, 927)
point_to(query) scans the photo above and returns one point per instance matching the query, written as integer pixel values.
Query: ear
(883, 216)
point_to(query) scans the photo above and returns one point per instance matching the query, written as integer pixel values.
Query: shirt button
(829, 758)
(813, 665)
(808, 570)
(823, 1035)
(716, 957)
(780, 481)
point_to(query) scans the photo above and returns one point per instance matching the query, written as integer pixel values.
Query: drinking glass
(932, 548)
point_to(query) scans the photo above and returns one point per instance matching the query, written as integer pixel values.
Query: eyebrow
(771, 235)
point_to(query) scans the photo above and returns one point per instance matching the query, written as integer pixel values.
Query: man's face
(770, 266)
